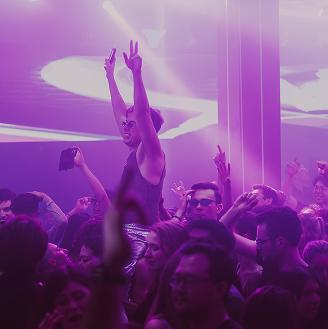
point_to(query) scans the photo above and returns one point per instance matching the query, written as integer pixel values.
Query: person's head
(266, 196)
(316, 255)
(278, 231)
(91, 253)
(312, 227)
(91, 229)
(55, 258)
(270, 307)
(131, 135)
(201, 280)
(163, 240)
(74, 223)
(23, 244)
(26, 204)
(68, 293)
(210, 231)
(320, 190)
(6, 197)
(205, 201)
(305, 288)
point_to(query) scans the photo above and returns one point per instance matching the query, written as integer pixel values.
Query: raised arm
(118, 104)
(149, 139)
(53, 220)
(243, 203)
(95, 184)
(224, 181)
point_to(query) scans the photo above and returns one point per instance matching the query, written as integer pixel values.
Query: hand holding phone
(66, 160)
(110, 64)
(111, 57)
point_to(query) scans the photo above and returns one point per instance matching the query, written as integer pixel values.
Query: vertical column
(249, 90)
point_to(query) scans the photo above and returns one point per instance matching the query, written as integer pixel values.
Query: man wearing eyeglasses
(200, 287)
(204, 201)
(139, 126)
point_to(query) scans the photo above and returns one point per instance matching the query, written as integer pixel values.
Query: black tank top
(144, 192)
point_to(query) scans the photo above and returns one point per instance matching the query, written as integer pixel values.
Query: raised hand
(222, 167)
(79, 159)
(117, 249)
(109, 65)
(245, 202)
(51, 320)
(179, 189)
(293, 168)
(134, 61)
(82, 204)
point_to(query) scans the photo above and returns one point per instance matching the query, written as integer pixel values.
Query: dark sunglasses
(202, 202)
(129, 124)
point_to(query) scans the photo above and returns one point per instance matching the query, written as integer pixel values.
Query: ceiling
(52, 84)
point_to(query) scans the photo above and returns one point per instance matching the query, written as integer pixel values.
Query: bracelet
(175, 216)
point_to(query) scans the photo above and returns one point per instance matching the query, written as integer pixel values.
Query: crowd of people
(122, 260)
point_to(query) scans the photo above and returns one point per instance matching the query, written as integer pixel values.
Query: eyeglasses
(259, 241)
(187, 280)
(202, 202)
(128, 124)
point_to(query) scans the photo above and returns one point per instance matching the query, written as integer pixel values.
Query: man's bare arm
(118, 104)
(148, 134)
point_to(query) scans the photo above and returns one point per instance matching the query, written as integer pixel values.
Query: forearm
(53, 220)
(47, 205)
(227, 195)
(141, 103)
(118, 104)
(96, 186)
(287, 186)
(230, 218)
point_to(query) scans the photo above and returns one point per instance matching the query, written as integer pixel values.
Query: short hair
(270, 307)
(314, 248)
(221, 264)
(321, 178)
(155, 115)
(282, 221)
(6, 194)
(23, 243)
(89, 230)
(26, 203)
(268, 193)
(171, 235)
(208, 186)
(220, 234)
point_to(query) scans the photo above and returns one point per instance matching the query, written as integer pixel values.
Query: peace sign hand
(134, 61)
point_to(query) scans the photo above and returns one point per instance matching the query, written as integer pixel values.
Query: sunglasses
(202, 202)
(129, 124)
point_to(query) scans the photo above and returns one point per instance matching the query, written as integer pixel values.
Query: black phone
(66, 160)
(112, 55)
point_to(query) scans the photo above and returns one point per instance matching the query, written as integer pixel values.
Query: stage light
(49, 134)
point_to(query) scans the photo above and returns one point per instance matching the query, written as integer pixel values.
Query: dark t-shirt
(147, 194)
(230, 324)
